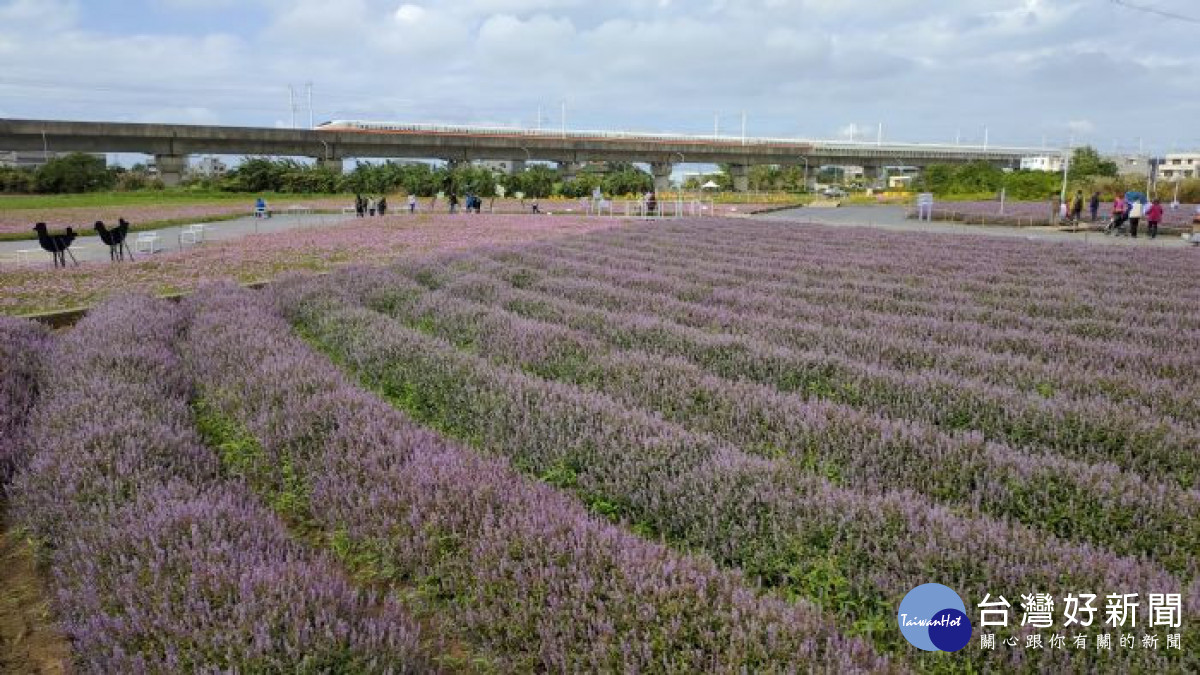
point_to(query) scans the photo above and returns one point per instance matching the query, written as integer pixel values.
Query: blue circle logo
(932, 617)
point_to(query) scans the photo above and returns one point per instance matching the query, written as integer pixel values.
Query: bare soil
(29, 641)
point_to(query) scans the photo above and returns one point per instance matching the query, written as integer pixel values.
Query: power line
(1156, 11)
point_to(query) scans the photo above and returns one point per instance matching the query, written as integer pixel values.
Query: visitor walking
(371, 206)
(1077, 207)
(1153, 217)
(383, 206)
(1136, 210)
(412, 203)
(453, 203)
(1094, 205)
(1118, 211)
(360, 206)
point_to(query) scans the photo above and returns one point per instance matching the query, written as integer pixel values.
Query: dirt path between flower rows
(29, 642)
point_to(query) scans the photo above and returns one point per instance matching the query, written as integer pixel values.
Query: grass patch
(181, 197)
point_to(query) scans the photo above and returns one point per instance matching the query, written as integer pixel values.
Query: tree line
(1087, 171)
(86, 173)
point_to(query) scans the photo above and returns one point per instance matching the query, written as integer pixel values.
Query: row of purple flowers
(853, 550)
(159, 563)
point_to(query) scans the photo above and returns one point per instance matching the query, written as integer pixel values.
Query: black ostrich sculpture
(57, 244)
(115, 238)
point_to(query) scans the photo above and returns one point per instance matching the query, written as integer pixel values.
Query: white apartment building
(1178, 165)
(209, 167)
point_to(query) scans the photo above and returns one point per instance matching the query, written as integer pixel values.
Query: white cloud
(409, 15)
(43, 15)
(1081, 127)
(505, 41)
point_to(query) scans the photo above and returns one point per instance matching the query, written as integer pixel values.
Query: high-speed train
(358, 126)
(800, 144)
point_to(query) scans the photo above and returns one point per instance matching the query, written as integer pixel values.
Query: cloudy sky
(1097, 71)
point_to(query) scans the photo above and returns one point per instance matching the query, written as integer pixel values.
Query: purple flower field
(708, 445)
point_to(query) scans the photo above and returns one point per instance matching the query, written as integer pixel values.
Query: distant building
(1138, 165)
(1042, 163)
(851, 172)
(1179, 165)
(209, 167)
(33, 159)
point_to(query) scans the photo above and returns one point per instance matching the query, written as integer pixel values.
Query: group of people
(369, 206)
(1129, 208)
(474, 203)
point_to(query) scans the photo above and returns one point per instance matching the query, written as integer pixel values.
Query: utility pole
(539, 117)
(308, 86)
(564, 118)
(292, 103)
(879, 137)
(743, 127)
(1066, 166)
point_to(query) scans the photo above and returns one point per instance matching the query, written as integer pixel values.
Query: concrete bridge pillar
(170, 168)
(334, 163)
(741, 177)
(569, 170)
(662, 175)
(875, 176)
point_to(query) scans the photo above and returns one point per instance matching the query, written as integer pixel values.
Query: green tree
(1086, 162)
(257, 174)
(77, 172)
(1031, 185)
(978, 177)
(19, 181)
(581, 185)
(535, 181)
(628, 180)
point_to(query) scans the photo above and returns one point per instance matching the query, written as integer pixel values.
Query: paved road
(893, 218)
(90, 248)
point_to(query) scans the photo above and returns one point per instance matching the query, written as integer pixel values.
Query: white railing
(671, 208)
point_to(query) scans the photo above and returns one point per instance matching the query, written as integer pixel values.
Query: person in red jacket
(1153, 217)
